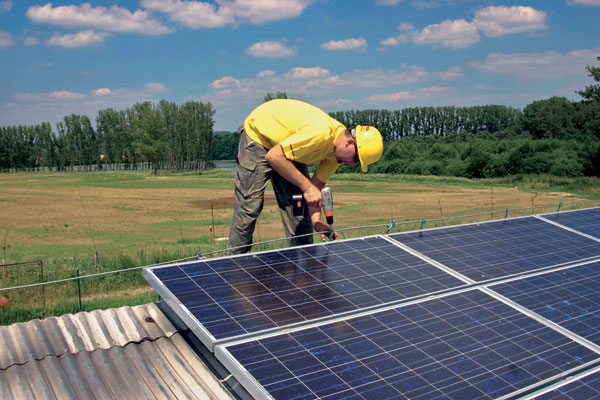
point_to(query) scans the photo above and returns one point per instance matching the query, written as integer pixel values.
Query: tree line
(556, 117)
(151, 135)
(553, 136)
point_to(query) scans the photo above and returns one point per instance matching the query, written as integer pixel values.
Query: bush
(496, 166)
(456, 167)
(566, 166)
(425, 167)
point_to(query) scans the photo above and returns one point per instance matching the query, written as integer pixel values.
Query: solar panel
(385, 317)
(586, 221)
(587, 387)
(500, 248)
(462, 346)
(569, 298)
(227, 297)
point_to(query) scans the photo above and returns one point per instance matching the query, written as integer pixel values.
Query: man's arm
(311, 189)
(287, 169)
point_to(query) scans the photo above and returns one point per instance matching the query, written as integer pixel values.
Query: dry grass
(63, 215)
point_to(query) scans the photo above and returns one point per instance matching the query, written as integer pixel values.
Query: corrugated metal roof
(127, 352)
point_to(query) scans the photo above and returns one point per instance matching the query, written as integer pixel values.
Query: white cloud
(61, 95)
(585, 2)
(52, 106)
(431, 3)
(6, 39)
(101, 92)
(198, 14)
(31, 41)
(406, 26)
(307, 73)
(399, 99)
(387, 2)
(115, 19)
(460, 33)
(501, 20)
(347, 44)
(192, 14)
(270, 49)
(308, 82)
(79, 39)
(391, 41)
(156, 87)
(388, 97)
(261, 11)
(267, 72)
(225, 82)
(548, 65)
(334, 103)
(5, 6)
(456, 34)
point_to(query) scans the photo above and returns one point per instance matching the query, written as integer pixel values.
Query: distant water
(230, 165)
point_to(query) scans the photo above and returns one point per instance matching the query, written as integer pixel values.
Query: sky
(70, 57)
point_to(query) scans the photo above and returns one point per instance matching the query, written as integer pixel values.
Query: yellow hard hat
(369, 144)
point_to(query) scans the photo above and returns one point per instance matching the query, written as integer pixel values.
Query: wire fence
(54, 291)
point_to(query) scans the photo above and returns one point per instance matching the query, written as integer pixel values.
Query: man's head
(362, 145)
(369, 145)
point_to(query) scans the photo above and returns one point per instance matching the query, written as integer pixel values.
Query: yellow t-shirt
(306, 133)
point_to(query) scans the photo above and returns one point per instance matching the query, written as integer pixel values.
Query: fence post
(78, 282)
(422, 225)
(43, 286)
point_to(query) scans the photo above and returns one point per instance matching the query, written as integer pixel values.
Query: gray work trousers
(252, 175)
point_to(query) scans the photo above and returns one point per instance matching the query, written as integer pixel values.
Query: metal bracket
(391, 225)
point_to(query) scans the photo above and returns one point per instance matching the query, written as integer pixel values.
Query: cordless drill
(328, 209)
(298, 206)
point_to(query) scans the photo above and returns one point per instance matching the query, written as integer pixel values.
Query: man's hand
(313, 197)
(325, 231)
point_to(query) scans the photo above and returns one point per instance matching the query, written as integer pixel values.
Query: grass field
(105, 221)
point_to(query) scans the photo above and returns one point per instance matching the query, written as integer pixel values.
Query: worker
(278, 141)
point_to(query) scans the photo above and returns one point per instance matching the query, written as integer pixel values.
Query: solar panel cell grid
(586, 221)
(239, 295)
(587, 387)
(501, 248)
(569, 297)
(461, 346)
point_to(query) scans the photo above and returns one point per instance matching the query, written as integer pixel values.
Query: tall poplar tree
(592, 92)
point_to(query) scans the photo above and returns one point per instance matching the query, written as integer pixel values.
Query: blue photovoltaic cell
(500, 248)
(585, 388)
(463, 346)
(585, 221)
(569, 298)
(243, 294)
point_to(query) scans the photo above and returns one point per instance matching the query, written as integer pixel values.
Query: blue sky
(80, 57)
